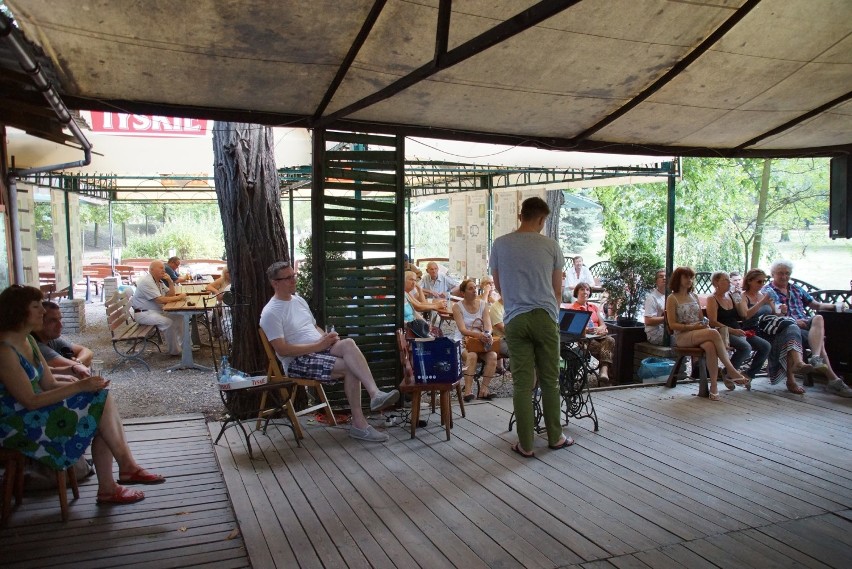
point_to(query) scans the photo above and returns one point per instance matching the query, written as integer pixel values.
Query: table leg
(186, 360)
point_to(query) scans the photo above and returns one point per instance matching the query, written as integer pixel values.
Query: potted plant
(627, 277)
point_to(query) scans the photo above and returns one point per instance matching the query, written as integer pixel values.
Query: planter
(626, 322)
(622, 361)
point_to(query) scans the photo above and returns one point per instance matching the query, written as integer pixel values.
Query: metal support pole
(292, 229)
(670, 228)
(68, 242)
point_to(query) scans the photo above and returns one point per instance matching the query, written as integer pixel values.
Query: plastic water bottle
(224, 370)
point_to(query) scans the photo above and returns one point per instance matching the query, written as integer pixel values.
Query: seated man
(655, 305)
(436, 284)
(151, 295)
(579, 273)
(736, 286)
(812, 329)
(62, 356)
(171, 268)
(306, 351)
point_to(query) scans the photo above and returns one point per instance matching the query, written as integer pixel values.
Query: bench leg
(703, 389)
(672, 380)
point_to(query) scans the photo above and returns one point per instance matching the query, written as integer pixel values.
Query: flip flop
(468, 398)
(566, 442)
(517, 449)
(140, 476)
(121, 495)
(488, 397)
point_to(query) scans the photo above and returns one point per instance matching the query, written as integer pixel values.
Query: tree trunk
(248, 192)
(124, 234)
(96, 235)
(761, 213)
(555, 199)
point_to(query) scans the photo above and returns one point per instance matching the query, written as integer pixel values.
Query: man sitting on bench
(306, 351)
(62, 356)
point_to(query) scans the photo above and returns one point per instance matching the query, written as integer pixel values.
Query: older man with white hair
(812, 329)
(152, 293)
(436, 284)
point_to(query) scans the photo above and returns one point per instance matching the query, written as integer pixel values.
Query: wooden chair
(276, 374)
(681, 355)
(416, 390)
(13, 484)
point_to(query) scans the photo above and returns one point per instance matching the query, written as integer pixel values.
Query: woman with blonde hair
(683, 316)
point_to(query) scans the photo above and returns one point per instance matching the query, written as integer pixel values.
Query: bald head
(157, 270)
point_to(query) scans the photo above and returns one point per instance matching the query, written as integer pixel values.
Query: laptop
(573, 323)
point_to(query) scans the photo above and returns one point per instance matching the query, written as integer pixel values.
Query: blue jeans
(742, 349)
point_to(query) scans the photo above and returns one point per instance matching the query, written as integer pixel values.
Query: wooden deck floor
(762, 479)
(186, 522)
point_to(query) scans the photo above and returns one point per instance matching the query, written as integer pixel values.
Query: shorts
(317, 365)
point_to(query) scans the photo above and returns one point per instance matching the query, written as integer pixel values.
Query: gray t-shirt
(524, 262)
(53, 348)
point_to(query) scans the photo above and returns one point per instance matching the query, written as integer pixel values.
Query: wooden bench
(681, 355)
(644, 350)
(125, 331)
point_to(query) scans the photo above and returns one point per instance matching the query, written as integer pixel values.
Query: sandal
(714, 396)
(140, 476)
(744, 383)
(564, 442)
(517, 448)
(795, 388)
(488, 397)
(729, 383)
(121, 495)
(468, 398)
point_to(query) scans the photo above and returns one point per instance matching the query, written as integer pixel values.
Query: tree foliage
(716, 213)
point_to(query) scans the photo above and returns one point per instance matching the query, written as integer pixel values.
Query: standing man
(61, 355)
(436, 284)
(151, 295)
(307, 351)
(527, 270)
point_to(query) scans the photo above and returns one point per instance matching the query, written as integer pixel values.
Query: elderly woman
(683, 316)
(473, 320)
(723, 310)
(489, 293)
(785, 354)
(601, 348)
(410, 310)
(221, 284)
(55, 422)
(811, 329)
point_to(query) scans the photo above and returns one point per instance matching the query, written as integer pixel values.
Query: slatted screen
(358, 206)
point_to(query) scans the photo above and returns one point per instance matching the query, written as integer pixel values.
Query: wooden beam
(529, 18)
(673, 72)
(356, 46)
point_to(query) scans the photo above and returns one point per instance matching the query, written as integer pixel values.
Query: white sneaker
(838, 387)
(369, 434)
(383, 399)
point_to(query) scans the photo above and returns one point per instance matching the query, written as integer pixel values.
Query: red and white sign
(147, 125)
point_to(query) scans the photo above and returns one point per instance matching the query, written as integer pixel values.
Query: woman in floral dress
(54, 421)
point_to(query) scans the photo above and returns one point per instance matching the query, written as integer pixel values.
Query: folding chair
(275, 373)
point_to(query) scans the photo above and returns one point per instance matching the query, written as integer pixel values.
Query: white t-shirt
(572, 280)
(655, 304)
(146, 291)
(469, 317)
(290, 320)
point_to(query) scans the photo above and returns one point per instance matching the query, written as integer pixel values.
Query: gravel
(140, 393)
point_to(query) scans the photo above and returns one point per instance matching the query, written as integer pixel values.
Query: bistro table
(193, 288)
(188, 307)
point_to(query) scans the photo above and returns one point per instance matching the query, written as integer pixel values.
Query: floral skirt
(56, 435)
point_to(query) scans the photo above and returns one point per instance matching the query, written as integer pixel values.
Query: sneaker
(369, 434)
(837, 387)
(383, 399)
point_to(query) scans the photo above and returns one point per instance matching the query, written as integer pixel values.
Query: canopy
(712, 78)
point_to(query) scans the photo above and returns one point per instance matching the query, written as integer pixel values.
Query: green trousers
(534, 343)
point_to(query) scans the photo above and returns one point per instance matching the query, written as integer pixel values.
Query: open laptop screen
(573, 322)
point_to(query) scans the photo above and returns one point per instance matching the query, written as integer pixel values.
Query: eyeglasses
(290, 278)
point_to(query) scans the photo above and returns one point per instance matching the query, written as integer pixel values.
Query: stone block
(73, 314)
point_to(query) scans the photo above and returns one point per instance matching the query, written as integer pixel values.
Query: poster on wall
(505, 217)
(458, 235)
(477, 234)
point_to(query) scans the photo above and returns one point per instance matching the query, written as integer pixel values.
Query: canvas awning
(706, 77)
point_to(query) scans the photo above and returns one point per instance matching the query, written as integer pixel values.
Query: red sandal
(140, 476)
(121, 495)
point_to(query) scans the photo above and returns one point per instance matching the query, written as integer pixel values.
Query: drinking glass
(97, 367)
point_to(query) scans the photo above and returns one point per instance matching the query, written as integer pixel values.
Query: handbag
(476, 345)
